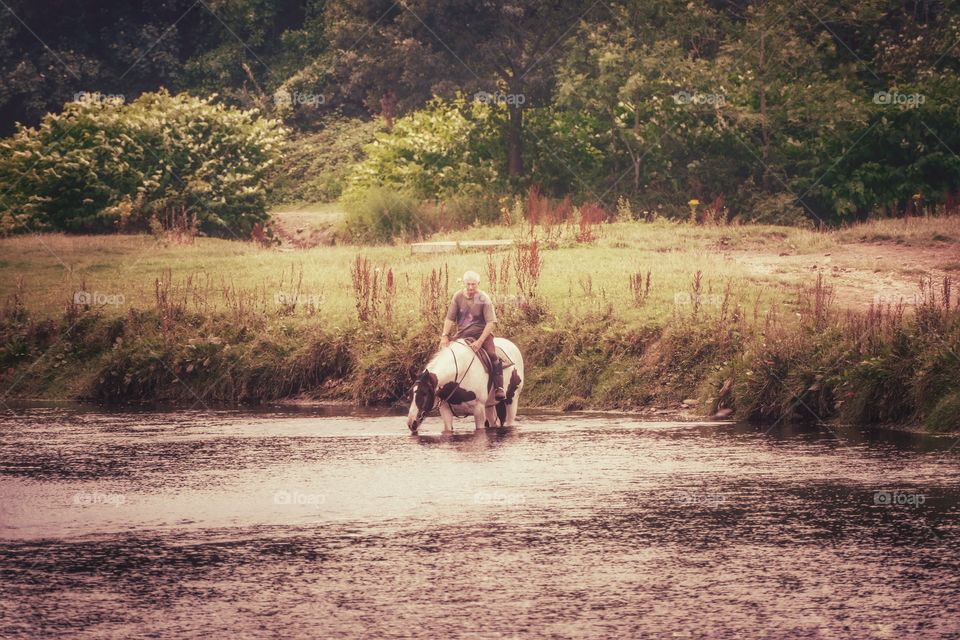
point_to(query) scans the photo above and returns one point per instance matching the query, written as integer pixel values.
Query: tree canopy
(824, 111)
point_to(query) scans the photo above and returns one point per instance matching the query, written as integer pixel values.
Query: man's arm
(487, 330)
(445, 335)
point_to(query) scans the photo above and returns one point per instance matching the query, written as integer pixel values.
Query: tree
(662, 99)
(498, 50)
(240, 49)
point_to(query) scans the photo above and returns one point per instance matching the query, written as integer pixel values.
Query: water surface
(315, 523)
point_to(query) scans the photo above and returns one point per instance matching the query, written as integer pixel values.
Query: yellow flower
(693, 202)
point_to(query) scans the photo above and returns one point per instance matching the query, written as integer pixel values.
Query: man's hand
(476, 346)
(444, 341)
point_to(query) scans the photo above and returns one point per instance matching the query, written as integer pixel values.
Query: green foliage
(775, 208)
(562, 150)
(315, 165)
(946, 415)
(903, 160)
(447, 147)
(779, 122)
(776, 116)
(240, 49)
(102, 165)
(386, 365)
(455, 149)
(876, 388)
(383, 214)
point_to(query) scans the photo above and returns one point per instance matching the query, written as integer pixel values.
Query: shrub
(101, 165)
(383, 214)
(460, 212)
(777, 208)
(447, 147)
(316, 165)
(946, 415)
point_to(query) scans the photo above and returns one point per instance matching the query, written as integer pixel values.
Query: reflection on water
(313, 523)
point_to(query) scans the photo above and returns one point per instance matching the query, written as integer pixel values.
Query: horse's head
(424, 394)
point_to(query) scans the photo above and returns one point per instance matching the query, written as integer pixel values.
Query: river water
(317, 523)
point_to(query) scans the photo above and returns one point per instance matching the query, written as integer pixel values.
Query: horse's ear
(433, 381)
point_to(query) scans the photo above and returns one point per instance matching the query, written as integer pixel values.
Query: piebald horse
(455, 382)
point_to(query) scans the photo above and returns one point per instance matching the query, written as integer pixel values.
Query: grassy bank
(635, 315)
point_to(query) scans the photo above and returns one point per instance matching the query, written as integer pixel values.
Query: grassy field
(576, 277)
(759, 322)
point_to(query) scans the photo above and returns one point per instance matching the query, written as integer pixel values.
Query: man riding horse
(471, 312)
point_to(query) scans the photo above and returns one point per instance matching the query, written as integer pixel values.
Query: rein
(456, 383)
(456, 374)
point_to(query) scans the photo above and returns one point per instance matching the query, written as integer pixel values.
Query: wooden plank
(484, 244)
(451, 245)
(433, 247)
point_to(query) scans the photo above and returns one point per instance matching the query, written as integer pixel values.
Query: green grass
(223, 336)
(54, 266)
(577, 279)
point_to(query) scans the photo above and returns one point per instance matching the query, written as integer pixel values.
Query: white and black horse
(455, 382)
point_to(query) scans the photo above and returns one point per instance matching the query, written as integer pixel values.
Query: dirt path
(304, 229)
(859, 273)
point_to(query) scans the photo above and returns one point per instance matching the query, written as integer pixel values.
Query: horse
(455, 381)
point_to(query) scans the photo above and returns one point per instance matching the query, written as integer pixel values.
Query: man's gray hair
(471, 276)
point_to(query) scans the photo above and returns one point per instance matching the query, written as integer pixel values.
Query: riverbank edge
(686, 368)
(647, 414)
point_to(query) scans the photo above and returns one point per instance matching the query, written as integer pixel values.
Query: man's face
(470, 288)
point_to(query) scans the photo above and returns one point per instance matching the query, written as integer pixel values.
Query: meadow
(756, 322)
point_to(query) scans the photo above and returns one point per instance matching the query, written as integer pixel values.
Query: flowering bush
(101, 165)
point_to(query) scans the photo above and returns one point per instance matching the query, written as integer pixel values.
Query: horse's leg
(447, 415)
(512, 411)
(491, 415)
(501, 410)
(479, 414)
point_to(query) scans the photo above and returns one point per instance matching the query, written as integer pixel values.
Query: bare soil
(860, 274)
(304, 229)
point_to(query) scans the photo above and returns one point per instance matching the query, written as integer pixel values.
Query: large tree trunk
(515, 142)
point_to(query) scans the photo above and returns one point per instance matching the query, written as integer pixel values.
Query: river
(328, 523)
